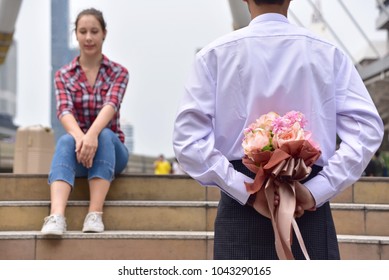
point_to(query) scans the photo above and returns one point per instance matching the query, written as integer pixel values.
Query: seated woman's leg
(62, 173)
(111, 158)
(64, 168)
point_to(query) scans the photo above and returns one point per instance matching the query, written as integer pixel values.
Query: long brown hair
(92, 12)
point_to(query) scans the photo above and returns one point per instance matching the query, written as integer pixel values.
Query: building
(8, 89)
(375, 71)
(9, 10)
(128, 130)
(8, 78)
(61, 52)
(318, 24)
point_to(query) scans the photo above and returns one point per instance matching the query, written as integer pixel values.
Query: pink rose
(295, 132)
(270, 131)
(284, 123)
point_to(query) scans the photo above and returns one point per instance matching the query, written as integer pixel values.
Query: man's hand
(304, 200)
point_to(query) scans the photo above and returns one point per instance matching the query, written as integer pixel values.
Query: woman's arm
(89, 142)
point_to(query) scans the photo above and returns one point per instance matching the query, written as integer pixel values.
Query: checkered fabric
(76, 96)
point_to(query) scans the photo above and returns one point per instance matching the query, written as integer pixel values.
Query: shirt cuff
(319, 190)
(63, 113)
(239, 192)
(111, 104)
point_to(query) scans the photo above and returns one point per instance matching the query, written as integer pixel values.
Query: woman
(89, 92)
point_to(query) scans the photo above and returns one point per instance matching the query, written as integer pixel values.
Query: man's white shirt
(272, 65)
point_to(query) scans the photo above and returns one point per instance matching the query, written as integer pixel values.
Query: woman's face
(90, 35)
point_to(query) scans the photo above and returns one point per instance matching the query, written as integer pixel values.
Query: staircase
(163, 218)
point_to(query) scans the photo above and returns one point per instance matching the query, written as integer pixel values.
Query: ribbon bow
(281, 171)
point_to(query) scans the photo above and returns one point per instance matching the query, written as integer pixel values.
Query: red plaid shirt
(75, 96)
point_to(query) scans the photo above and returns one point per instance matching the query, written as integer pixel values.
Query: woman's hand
(86, 149)
(88, 145)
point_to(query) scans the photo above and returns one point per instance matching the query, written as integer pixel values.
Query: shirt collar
(269, 17)
(75, 62)
(105, 61)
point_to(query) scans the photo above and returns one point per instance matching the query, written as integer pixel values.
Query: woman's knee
(66, 142)
(106, 134)
(106, 138)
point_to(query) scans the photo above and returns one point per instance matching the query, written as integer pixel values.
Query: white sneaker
(93, 222)
(54, 225)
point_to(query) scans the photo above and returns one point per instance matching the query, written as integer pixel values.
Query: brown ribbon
(280, 171)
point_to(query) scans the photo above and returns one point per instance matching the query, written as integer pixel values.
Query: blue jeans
(111, 158)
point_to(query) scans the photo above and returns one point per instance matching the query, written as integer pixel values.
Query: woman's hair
(92, 12)
(279, 2)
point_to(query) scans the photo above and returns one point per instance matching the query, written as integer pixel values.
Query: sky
(156, 41)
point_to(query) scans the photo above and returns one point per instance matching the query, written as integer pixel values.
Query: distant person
(273, 65)
(162, 166)
(89, 92)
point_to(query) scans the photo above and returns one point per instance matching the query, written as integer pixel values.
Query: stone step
(355, 219)
(171, 213)
(110, 245)
(167, 187)
(150, 245)
(15, 187)
(118, 215)
(356, 247)
(374, 190)
(361, 219)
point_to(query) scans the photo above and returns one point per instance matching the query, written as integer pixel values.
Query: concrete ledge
(352, 206)
(19, 187)
(119, 245)
(354, 219)
(147, 245)
(11, 235)
(141, 203)
(364, 239)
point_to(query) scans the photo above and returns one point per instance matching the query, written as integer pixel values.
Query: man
(162, 166)
(272, 65)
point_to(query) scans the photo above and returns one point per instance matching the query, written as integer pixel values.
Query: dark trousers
(243, 233)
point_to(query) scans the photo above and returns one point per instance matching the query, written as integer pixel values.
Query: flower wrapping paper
(280, 152)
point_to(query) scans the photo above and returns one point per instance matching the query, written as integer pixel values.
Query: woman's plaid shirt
(75, 96)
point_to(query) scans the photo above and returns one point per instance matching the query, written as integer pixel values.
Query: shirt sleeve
(117, 89)
(194, 139)
(63, 96)
(360, 128)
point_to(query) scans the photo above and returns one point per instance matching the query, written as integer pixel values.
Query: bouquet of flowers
(280, 152)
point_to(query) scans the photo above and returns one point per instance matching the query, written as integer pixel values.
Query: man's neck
(267, 8)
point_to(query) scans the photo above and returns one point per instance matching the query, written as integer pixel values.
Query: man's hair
(279, 2)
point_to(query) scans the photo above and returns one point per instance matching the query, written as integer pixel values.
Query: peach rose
(266, 121)
(295, 132)
(256, 140)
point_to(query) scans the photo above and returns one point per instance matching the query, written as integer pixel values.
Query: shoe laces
(94, 216)
(51, 218)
